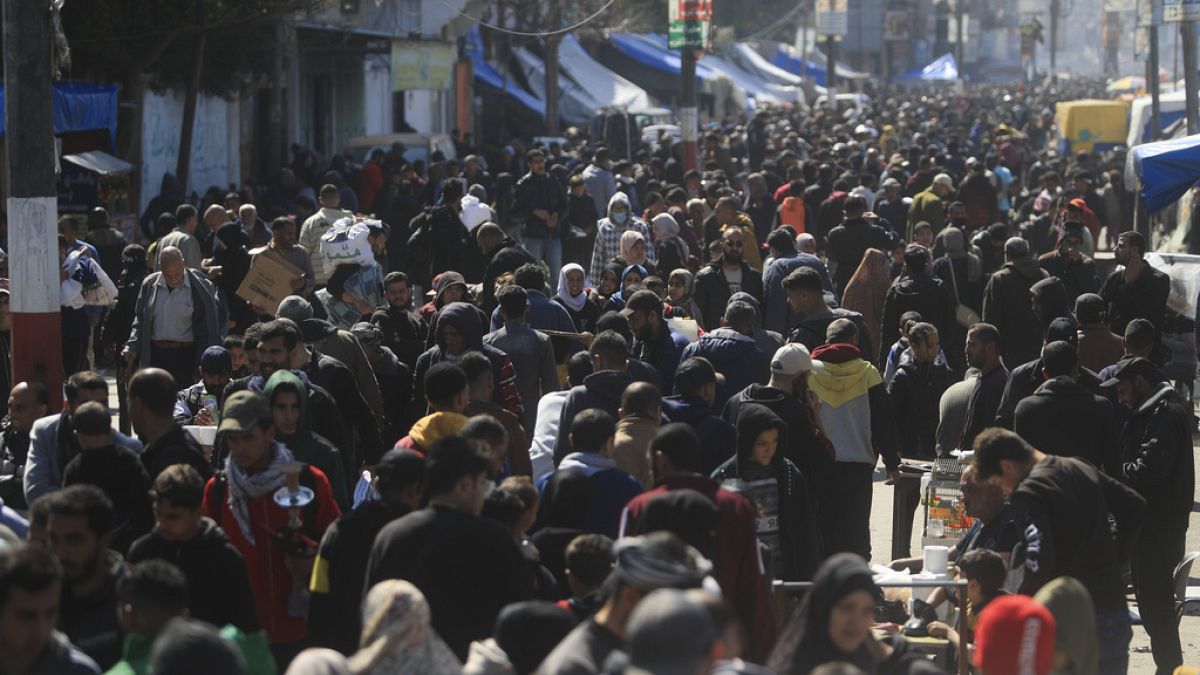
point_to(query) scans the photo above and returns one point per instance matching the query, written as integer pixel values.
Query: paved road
(1140, 660)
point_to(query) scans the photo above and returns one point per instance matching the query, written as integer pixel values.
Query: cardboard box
(268, 282)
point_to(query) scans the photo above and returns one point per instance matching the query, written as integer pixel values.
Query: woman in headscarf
(680, 287)
(607, 286)
(287, 395)
(866, 289)
(779, 492)
(833, 625)
(397, 636)
(630, 276)
(317, 661)
(672, 250)
(230, 254)
(573, 296)
(957, 266)
(1075, 648)
(119, 322)
(633, 252)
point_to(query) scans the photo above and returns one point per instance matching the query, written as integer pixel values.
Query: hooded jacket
(1052, 298)
(807, 446)
(335, 617)
(811, 328)
(219, 590)
(1064, 418)
(920, 293)
(342, 346)
(427, 430)
(733, 355)
(612, 488)
(403, 332)
(916, 392)
(1157, 460)
(712, 291)
(1006, 306)
(847, 244)
(663, 352)
(797, 526)
(855, 411)
(718, 438)
(326, 418)
(466, 318)
(608, 236)
(599, 390)
(306, 445)
(438, 243)
(1023, 381)
(339, 381)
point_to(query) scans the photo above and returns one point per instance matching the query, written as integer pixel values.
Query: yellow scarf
(838, 383)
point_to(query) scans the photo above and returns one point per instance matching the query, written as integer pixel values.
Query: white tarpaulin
(576, 105)
(605, 86)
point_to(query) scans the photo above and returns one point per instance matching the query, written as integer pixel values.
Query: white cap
(791, 359)
(944, 179)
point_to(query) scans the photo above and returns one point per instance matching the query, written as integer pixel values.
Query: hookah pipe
(294, 497)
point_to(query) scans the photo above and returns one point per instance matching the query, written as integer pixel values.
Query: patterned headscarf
(397, 636)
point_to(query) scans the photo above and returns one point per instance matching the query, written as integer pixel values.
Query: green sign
(687, 34)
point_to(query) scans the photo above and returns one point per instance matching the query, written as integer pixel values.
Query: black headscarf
(753, 419)
(805, 643)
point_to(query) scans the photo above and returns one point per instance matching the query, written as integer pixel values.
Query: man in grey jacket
(52, 443)
(531, 353)
(177, 316)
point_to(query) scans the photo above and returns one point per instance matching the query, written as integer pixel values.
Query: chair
(1185, 596)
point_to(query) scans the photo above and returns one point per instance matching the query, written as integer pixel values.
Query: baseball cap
(643, 301)
(696, 372)
(243, 411)
(1073, 228)
(791, 359)
(1015, 634)
(215, 360)
(295, 308)
(944, 179)
(398, 463)
(669, 633)
(890, 182)
(1089, 307)
(1131, 368)
(366, 333)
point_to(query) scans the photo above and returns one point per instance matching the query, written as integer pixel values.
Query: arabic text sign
(688, 23)
(1174, 11)
(421, 65)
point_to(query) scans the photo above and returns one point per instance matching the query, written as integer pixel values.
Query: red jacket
(737, 565)
(269, 577)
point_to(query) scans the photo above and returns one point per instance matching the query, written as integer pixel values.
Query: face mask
(619, 217)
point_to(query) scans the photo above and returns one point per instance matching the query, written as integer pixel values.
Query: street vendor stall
(96, 178)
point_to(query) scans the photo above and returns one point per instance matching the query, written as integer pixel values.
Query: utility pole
(32, 196)
(1152, 84)
(958, 35)
(550, 58)
(1187, 31)
(689, 113)
(274, 157)
(831, 72)
(1053, 37)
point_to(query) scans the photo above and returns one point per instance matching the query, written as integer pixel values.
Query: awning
(745, 56)
(1162, 172)
(80, 106)
(605, 86)
(750, 83)
(654, 54)
(100, 162)
(575, 104)
(1172, 106)
(942, 69)
(487, 75)
(787, 58)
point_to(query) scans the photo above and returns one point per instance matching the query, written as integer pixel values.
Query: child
(984, 572)
(590, 558)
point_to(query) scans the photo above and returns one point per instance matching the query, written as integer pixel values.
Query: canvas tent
(942, 69)
(1162, 172)
(604, 85)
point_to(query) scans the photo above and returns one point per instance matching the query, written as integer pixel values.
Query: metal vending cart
(946, 520)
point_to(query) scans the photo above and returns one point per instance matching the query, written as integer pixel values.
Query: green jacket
(306, 445)
(256, 652)
(928, 207)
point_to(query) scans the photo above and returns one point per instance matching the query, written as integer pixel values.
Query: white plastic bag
(104, 292)
(345, 242)
(474, 213)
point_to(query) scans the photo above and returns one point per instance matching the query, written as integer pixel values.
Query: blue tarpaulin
(80, 106)
(487, 75)
(1162, 172)
(943, 69)
(652, 51)
(798, 66)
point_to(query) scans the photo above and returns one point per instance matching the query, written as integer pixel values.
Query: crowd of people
(544, 409)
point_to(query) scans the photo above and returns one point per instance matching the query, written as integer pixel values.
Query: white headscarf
(576, 302)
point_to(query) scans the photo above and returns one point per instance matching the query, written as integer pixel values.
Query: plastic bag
(102, 292)
(345, 242)
(474, 213)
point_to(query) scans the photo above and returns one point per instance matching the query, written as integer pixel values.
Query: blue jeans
(549, 250)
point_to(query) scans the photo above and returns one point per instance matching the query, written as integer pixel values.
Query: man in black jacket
(849, 241)
(696, 383)
(1068, 262)
(1006, 304)
(916, 391)
(1062, 417)
(1137, 292)
(27, 403)
(334, 618)
(1027, 377)
(917, 291)
(504, 255)
(806, 297)
(467, 568)
(719, 280)
(218, 584)
(539, 202)
(1156, 460)
(403, 330)
(438, 241)
(151, 410)
(1062, 507)
(602, 389)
